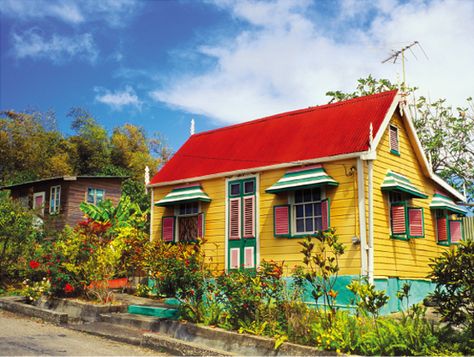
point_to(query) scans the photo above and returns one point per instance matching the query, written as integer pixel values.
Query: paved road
(27, 337)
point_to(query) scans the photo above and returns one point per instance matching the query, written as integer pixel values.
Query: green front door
(241, 235)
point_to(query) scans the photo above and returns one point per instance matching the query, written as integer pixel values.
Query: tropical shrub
(178, 270)
(322, 268)
(18, 238)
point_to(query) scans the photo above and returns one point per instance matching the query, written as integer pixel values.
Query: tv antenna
(401, 53)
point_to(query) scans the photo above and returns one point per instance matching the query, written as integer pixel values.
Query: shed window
(55, 199)
(95, 195)
(394, 140)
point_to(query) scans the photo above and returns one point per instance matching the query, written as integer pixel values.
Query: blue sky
(160, 63)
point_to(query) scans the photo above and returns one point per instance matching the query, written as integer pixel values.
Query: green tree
(29, 150)
(446, 134)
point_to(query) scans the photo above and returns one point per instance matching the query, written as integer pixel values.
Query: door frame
(38, 194)
(257, 218)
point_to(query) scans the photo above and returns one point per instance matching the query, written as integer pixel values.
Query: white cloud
(287, 58)
(113, 12)
(118, 99)
(57, 48)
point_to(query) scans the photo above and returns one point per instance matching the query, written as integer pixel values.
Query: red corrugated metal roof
(305, 134)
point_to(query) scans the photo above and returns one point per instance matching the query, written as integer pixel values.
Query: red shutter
(167, 229)
(415, 222)
(281, 216)
(325, 214)
(442, 230)
(394, 138)
(398, 219)
(455, 231)
(234, 218)
(201, 225)
(249, 217)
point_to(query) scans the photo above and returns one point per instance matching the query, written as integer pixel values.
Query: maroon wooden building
(57, 199)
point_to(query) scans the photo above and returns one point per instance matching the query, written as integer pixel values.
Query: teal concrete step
(156, 311)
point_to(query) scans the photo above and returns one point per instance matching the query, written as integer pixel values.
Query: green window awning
(443, 202)
(300, 178)
(397, 182)
(184, 194)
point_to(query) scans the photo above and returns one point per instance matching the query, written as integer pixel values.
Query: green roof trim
(397, 182)
(443, 202)
(313, 176)
(182, 195)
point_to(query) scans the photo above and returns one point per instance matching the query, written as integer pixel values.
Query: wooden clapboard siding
(343, 216)
(77, 193)
(73, 193)
(392, 257)
(214, 233)
(343, 213)
(468, 228)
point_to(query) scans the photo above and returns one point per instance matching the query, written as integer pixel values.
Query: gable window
(95, 195)
(55, 199)
(405, 221)
(394, 140)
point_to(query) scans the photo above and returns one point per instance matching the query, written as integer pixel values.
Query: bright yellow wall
(405, 259)
(343, 211)
(215, 220)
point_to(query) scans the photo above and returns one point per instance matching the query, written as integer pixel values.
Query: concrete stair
(162, 312)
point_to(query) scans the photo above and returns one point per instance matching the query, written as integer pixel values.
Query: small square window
(95, 195)
(249, 187)
(235, 189)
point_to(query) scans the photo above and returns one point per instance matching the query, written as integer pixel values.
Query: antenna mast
(401, 53)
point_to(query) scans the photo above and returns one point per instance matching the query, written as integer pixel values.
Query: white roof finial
(147, 175)
(192, 128)
(371, 135)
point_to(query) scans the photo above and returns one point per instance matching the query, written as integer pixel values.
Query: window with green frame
(449, 228)
(306, 214)
(406, 222)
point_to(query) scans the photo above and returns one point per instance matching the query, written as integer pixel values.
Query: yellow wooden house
(256, 189)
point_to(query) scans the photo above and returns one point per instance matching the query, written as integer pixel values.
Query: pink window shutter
(325, 214)
(415, 222)
(398, 220)
(234, 218)
(281, 216)
(394, 139)
(442, 229)
(455, 230)
(234, 258)
(249, 217)
(167, 229)
(248, 257)
(201, 225)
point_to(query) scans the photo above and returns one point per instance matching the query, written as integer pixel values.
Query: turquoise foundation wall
(419, 290)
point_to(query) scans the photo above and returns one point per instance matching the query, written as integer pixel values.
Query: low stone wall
(18, 305)
(78, 310)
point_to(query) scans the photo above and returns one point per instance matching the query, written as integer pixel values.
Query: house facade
(253, 191)
(56, 200)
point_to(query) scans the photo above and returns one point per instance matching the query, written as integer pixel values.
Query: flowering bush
(32, 291)
(177, 269)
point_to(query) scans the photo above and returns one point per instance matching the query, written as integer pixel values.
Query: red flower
(68, 288)
(34, 264)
